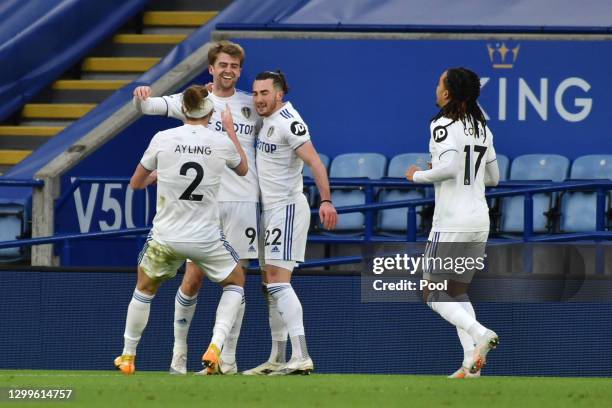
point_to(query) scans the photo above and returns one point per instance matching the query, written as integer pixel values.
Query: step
(178, 18)
(56, 110)
(10, 157)
(173, 30)
(149, 38)
(88, 84)
(187, 4)
(121, 64)
(30, 130)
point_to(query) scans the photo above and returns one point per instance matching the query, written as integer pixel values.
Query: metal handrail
(527, 189)
(21, 182)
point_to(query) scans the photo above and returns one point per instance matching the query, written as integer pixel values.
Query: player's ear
(210, 69)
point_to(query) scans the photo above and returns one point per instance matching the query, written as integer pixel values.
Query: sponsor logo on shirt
(298, 129)
(265, 147)
(440, 134)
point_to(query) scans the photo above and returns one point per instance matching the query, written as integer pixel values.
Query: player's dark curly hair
(463, 86)
(278, 79)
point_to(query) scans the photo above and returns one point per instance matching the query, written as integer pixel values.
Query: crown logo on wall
(501, 56)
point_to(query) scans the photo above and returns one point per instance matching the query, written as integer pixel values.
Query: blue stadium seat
(539, 167)
(579, 209)
(11, 228)
(352, 221)
(593, 166)
(504, 164)
(395, 220)
(371, 165)
(400, 163)
(532, 167)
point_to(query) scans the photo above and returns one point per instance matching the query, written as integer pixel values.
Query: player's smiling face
(266, 97)
(225, 71)
(442, 94)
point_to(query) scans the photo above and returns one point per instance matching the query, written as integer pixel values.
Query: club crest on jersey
(246, 111)
(440, 134)
(270, 131)
(298, 129)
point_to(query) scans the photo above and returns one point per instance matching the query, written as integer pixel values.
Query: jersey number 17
(468, 154)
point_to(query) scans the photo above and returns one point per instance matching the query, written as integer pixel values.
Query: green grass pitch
(156, 389)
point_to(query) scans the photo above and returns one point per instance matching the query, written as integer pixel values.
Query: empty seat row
(573, 211)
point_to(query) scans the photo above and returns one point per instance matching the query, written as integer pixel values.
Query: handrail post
(411, 227)
(66, 253)
(528, 216)
(601, 204)
(369, 216)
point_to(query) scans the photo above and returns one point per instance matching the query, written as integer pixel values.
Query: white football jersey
(460, 202)
(233, 187)
(279, 168)
(190, 161)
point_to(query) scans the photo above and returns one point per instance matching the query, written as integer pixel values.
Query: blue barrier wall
(75, 320)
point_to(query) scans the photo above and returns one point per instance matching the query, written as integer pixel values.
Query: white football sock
(455, 314)
(467, 342)
(290, 309)
(184, 308)
(228, 354)
(136, 320)
(278, 330)
(230, 302)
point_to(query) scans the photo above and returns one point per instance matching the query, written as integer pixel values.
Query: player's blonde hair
(230, 48)
(195, 102)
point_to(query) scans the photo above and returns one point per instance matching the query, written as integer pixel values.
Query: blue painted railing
(505, 189)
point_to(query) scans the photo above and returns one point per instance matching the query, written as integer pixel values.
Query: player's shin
(228, 354)
(452, 311)
(136, 320)
(290, 309)
(229, 304)
(184, 309)
(278, 330)
(467, 342)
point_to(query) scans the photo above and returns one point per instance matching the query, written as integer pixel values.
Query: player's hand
(410, 172)
(142, 92)
(209, 87)
(328, 216)
(152, 178)
(226, 118)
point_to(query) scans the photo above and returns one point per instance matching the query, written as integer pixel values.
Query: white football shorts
(240, 223)
(285, 231)
(161, 259)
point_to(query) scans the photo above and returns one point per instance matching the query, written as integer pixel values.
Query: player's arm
(327, 211)
(157, 106)
(491, 177)
(228, 124)
(142, 177)
(448, 167)
(146, 171)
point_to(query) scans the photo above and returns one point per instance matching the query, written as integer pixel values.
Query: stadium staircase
(134, 49)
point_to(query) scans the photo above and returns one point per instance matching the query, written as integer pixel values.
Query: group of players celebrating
(237, 160)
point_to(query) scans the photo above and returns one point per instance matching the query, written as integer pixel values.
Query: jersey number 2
(481, 151)
(187, 194)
